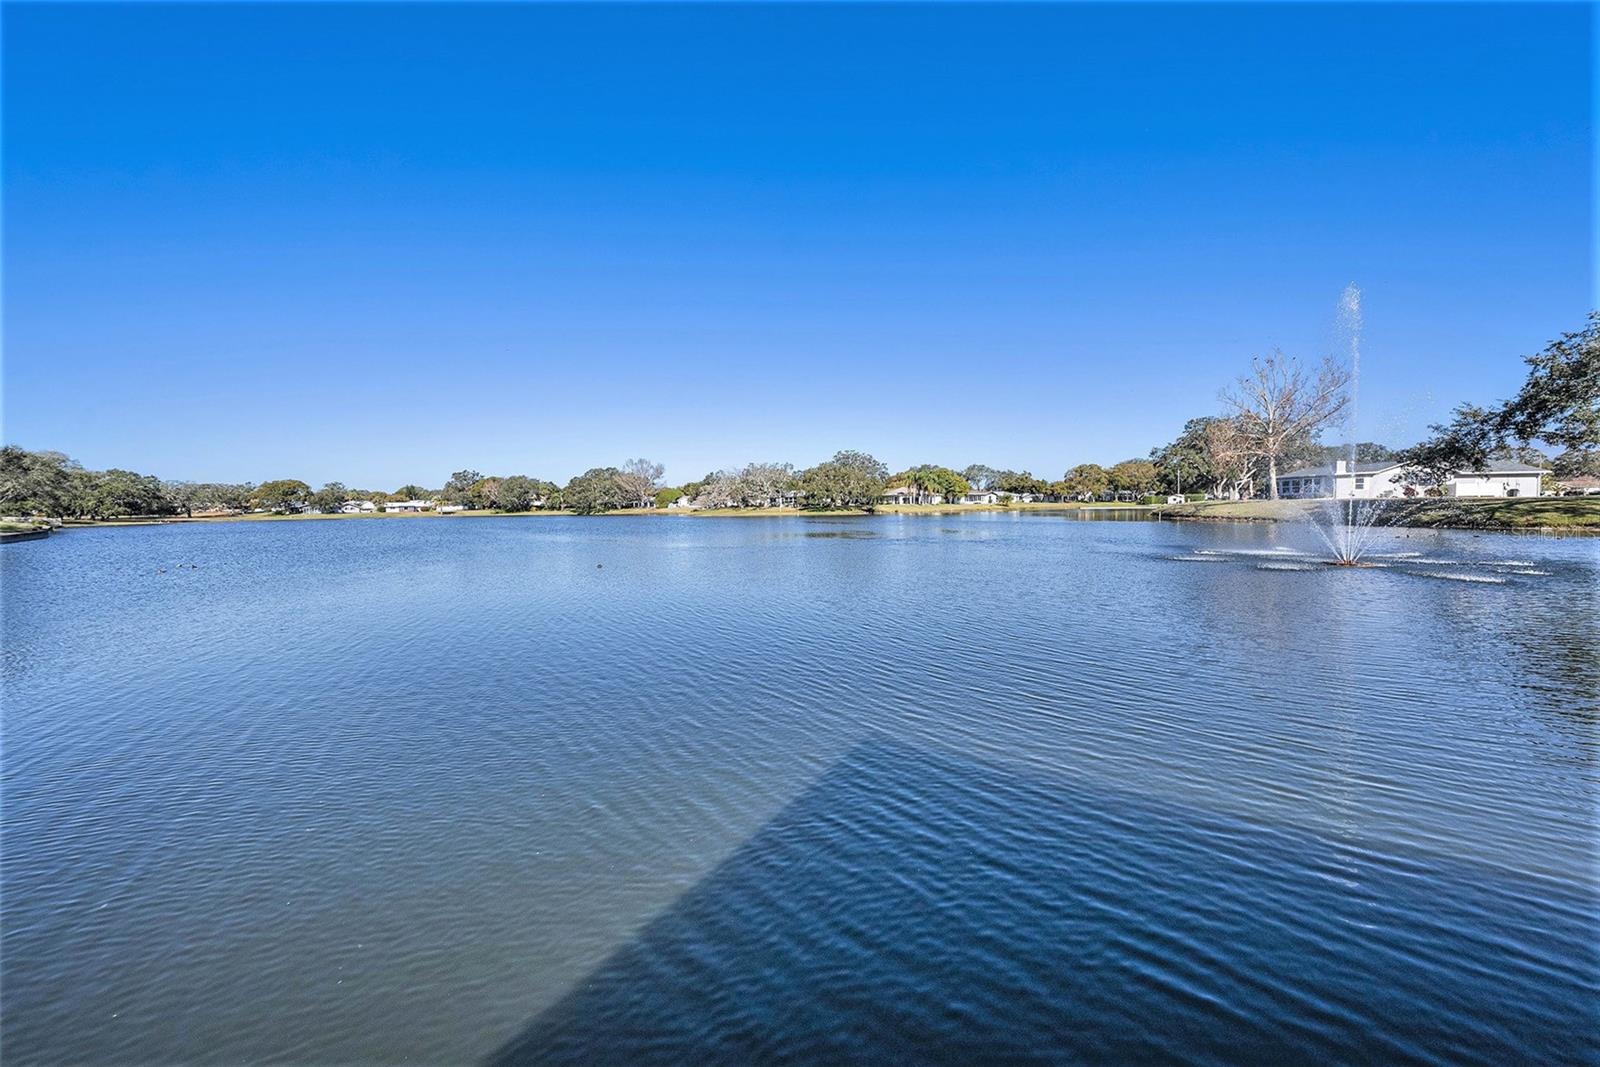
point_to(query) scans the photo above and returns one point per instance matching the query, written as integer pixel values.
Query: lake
(551, 789)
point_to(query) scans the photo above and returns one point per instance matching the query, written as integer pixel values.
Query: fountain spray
(1350, 319)
(1348, 530)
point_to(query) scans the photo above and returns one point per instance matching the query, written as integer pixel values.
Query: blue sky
(381, 243)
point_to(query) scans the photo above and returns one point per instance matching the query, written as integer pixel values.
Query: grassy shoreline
(1566, 514)
(665, 513)
(1563, 514)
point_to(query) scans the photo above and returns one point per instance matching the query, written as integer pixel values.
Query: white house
(909, 494)
(451, 509)
(981, 496)
(408, 505)
(1343, 480)
(357, 507)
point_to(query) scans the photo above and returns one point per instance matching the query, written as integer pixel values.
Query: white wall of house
(1391, 482)
(1492, 484)
(1345, 485)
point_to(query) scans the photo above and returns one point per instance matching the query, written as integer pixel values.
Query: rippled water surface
(653, 790)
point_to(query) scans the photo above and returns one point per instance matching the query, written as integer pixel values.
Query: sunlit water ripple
(655, 790)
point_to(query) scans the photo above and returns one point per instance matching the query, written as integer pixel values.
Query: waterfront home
(981, 496)
(1343, 480)
(408, 505)
(451, 509)
(907, 494)
(357, 507)
(1583, 485)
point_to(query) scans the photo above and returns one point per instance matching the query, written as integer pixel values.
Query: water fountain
(1347, 526)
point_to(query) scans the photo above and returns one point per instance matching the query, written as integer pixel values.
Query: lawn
(1492, 513)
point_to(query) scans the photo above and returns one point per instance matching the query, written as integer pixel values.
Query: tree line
(1272, 418)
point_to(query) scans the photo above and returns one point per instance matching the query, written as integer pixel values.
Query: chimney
(1339, 466)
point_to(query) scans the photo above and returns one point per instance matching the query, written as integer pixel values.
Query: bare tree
(1231, 456)
(721, 490)
(639, 479)
(1279, 403)
(762, 484)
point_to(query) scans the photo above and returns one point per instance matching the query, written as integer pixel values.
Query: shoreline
(1547, 515)
(1550, 515)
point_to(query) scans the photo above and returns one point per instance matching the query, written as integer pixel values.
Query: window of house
(1361, 483)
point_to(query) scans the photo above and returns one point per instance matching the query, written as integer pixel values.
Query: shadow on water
(917, 905)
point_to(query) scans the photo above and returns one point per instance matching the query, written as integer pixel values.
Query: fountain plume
(1348, 529)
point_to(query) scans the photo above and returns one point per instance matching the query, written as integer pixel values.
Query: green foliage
(1188, 460)
(516, 493)
(43, 483)
(849, 479)
(283, 495)
(668, 497)
(929, 480)
(1137, 476)
(981, 476)
(115, 493)
(1366, 452)
(1086, 479)
(459, 489)
(1558, 404)
(329, 498)
(49, 483)
(595, 491)
(1578, 463)
(1017, 483)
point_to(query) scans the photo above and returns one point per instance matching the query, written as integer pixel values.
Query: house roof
(1325, 470)
(1507, 466)
(1494, 466)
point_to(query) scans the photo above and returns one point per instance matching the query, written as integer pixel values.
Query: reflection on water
(915, 899)
(1000, 785)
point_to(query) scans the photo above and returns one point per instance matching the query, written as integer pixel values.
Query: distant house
(357, 507)
(909, 494)
(1343, 480)
(451, 509)
(981, 496)
(1175, 498)
(408, 505)
(1583, 485)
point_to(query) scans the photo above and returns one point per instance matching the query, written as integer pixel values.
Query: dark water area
(906, 788)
